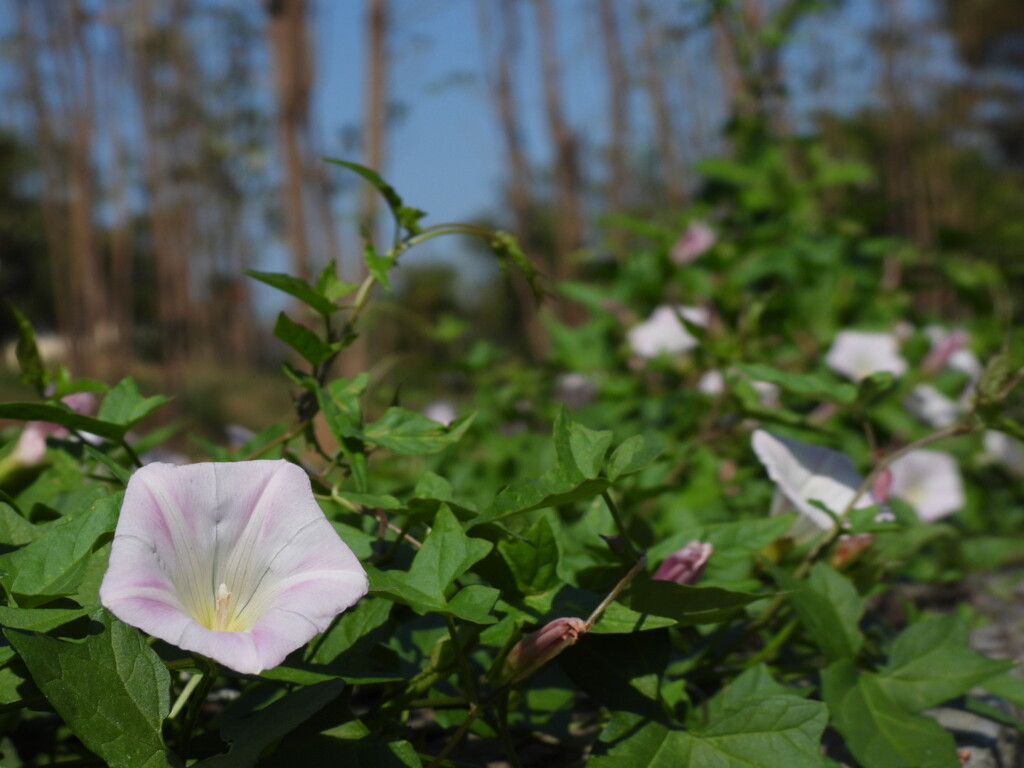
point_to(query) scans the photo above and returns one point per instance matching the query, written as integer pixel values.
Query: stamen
(223, 606)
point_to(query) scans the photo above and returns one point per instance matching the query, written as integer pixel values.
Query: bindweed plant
(683, 540)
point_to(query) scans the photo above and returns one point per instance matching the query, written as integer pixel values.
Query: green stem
(504, 734)
(620, 525)
(207, 679)
(468, 681)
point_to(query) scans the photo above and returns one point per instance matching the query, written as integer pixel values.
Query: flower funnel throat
(234, 561)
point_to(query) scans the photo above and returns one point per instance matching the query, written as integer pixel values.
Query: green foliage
(527, 561)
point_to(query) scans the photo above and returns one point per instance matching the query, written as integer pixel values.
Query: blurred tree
(24, 253)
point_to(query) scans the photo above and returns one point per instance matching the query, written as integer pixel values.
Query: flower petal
(207, 548)
(805, 473)
(930, 482)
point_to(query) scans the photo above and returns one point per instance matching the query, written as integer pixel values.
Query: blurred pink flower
(234, 561)
(950, 350)
(31, 447)
(685, 566)
(858, 354)
(693, 243)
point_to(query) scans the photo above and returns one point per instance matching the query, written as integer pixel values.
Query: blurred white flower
(441, 411)
(929, 481)
(693, 243)
(932, 407)
(858, 354)
(713, 382)
(1005, 450)
(575, 390)
(663, 332)
(804, 473)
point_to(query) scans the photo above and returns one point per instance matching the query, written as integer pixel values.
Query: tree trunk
(567, 183)
(286, 31)
(618, 109)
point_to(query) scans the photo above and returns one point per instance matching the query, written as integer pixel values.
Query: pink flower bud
(543, 645)
(693, 243)
(941, 352)
(686, 565)
(881, 485)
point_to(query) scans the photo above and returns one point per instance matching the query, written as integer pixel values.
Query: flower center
(225, 616)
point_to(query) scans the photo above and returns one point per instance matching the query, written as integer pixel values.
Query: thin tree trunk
(286, 30)
(374, 102)
(568, 187)
(500, 68)
(665, 134)
(28, 45)
(618, 108)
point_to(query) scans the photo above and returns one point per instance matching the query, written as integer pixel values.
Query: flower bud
(882, 485)
(940, 354)
(543, 645)
(849, 548)
(686, 565)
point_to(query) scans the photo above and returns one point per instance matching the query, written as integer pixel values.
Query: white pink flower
(858, 354)
(930, 482)
(804, 473)
(663, 332)
(234, 561)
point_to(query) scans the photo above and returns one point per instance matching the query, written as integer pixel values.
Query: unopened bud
(849, 548)
(938, 358)
(686, 565)
(543, 645)
(615, 544)
(882, 485)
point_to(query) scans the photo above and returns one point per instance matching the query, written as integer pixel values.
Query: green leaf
(931, 662)
(112, 690)
(38, 619)
(588, 448)
(756, 682)
(33, 372)
(620, 671)
(533, 559)
(300, 289)
(304, 341)
(61, 414)
(391, 197)
(378, 266)
(877, 730)
(633, 455)
(124, 404)
(413, 434)
(568, 600)
(685, 604)
(806, 385)
(554, 488)
(830, 609)
(53, 564)
(1005, 686)
(446, 554)
(872, 387)
(330, 286)
(252, 734)
(766, 733)
(474, 603)
(15, 530)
